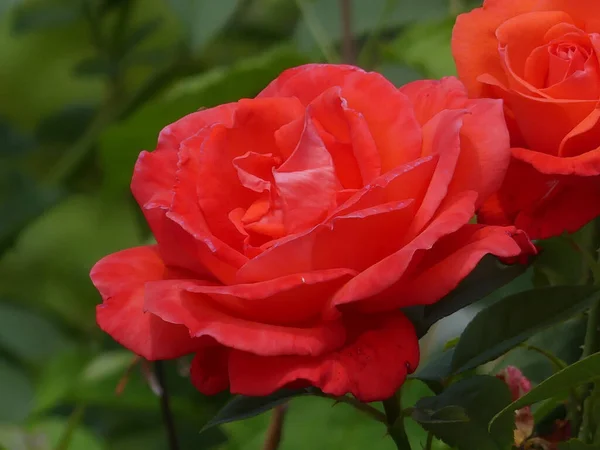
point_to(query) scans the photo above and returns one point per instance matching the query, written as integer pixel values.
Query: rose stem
(165, 406)
(275, 430)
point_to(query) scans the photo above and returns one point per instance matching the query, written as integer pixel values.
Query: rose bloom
(541, 57)
(292, 227)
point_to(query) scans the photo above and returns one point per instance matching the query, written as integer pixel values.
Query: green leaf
(535, 366)
(514, 319)
(399, 74)
(581, 372)
(21, 201)
(475, 398)
(448, 414)
(107, 364)
(203, 19)
(49, 266)
(559, 263)
(243, 407)
(45, 15)
(15, 143)
(16, 393)
(65, 125)
(488, 276)
(435, 370)
(29, 337)
(367, 16)
(576, 444)
(318, 423)
(50, 432)
(52, 386)
(426, 47)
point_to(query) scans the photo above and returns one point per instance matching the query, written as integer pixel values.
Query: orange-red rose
(292, 227)
(541, 57)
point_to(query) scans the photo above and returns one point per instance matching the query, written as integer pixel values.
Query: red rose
(541, 57)
(292, 227)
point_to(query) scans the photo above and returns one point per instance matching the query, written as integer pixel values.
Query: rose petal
(430, 97)
(382, 276)
(451, 259)
(209, 368)
(543, 205)
(172, 135)
(391, 119)
(441, 136)
(372, 365)
(518, 37)
(585, 12)
(474, 42)
(121, 279)
(385, 203)
(225, 312)
(306, 182)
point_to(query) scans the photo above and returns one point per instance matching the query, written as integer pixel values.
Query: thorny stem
(362, 407)
(165, 406)
(591, 346)
(395, 422)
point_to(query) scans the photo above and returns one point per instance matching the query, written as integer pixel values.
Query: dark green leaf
(14, 142)
(399, 74)
(93, 67)
(435, 370)
(479, 397)
(141, 33)
(514, 319)
(51, 431)
(367, 16)
(203, 19)
(243, 407)
(52, 386)
(65, 125)
(488, 276)
(45, 15)
(448, 414)
(425, 46)
(576, 444)
(16, 393)
(559, 263)
(581, 372)
(535, 366)
(28, 336)
(21, 200)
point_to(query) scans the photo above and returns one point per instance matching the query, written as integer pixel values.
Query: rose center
(565, 59)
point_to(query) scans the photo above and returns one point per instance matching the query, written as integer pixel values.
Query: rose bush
(292, 227)
(541, 57)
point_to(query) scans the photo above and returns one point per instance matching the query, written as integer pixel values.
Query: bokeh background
(85, 85)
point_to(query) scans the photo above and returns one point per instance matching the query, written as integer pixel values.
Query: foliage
(86, 85)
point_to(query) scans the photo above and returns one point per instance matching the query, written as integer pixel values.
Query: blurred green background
(85, 85)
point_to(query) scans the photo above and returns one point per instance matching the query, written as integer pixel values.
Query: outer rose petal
(542, 205)
(209, 369)
(484, 140)
(585, 12)
(383, 276)
(429, 97)
(215, 311)
(379, 352)
(452, 258)
(391, 120)
(121, 279)
(474, 42)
